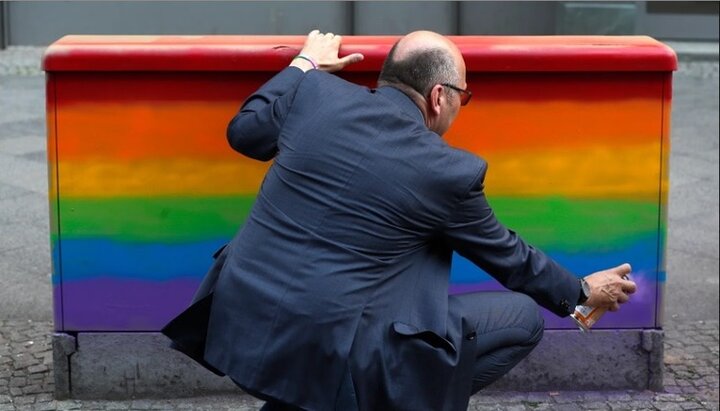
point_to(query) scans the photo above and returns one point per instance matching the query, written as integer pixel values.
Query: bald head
(422, 59)
(423, 40)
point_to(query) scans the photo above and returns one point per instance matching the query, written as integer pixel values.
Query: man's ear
(435, 99)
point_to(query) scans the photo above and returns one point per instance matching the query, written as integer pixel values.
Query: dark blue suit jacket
(334, 294)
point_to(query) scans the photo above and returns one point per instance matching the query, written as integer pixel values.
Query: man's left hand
(323, 50)
(610, 288)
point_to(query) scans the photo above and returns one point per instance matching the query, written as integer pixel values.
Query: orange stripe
(509, 112)
(142, 130)
(183, 129)
(570, 110)
(511, 125)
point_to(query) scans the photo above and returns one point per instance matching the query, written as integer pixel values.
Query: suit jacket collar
(403, 101)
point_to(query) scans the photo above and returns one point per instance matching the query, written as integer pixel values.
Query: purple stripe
(639, 312)
(109, 304)
(57, 307)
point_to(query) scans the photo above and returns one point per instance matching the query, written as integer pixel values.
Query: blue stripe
(92, 258)
(642, 256)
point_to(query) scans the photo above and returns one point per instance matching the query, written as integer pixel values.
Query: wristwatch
(584, 292)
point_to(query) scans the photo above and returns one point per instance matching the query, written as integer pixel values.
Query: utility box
(144, 187)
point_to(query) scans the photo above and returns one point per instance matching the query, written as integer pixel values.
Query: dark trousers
(277, 406)
(508, 326)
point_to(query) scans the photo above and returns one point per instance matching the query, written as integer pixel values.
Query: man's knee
(531, 317)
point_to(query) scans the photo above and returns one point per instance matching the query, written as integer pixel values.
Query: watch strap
(584, 292)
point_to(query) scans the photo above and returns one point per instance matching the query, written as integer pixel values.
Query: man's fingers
(324, 47)
(622, 270)
(623, 298)
(628, 286)
(351, 58)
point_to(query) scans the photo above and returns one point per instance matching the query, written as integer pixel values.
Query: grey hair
(420, 69)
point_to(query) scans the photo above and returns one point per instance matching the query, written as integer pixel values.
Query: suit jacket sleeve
(473, 231)
(255, 129)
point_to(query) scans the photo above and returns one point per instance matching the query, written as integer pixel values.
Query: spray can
(586, 316)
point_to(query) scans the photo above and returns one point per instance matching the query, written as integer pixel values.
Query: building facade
(39, 23)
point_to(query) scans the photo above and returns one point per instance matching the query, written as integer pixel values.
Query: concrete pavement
(691, 306)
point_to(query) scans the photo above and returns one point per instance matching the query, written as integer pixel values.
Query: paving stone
(44, 397)
(696, 349)
(17, 381)
(594, 396)
(33, 389)
(674, 390)
(566, 407)
(45, 406)
(37, 369)
(671, 397)
(141, 405)
(68, 405)
(29, 399)
(539, 397)
(668, 406)
(596, 405)
(620, 406)
(639, 405)
(615, 396)
(542, 407)
(488, 407)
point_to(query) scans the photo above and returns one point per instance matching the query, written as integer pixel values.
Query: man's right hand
(323, 50)
(610, 288)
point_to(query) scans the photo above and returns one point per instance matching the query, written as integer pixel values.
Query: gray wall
(42, 22)
(501, 18)
(3, 24)
(690, 25)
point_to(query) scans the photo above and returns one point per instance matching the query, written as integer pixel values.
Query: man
(334, 294)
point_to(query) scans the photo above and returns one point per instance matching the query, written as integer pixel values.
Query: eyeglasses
(465, 95)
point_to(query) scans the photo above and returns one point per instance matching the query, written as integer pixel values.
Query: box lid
(272, 53)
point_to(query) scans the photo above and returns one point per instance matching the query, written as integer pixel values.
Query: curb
(694, 51)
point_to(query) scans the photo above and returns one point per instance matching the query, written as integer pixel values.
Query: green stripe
(156, 219)
(573, 225)
(561, 224)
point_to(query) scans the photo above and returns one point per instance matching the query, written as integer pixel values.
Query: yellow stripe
(158, 178)
(595, 172)
(598, 172)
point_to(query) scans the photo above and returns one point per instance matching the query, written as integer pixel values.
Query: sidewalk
(691, 380)
(691, 299)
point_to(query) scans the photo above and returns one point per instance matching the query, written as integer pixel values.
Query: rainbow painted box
(144, 187)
